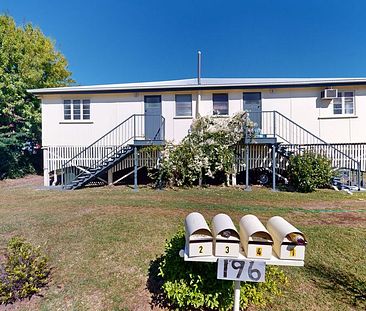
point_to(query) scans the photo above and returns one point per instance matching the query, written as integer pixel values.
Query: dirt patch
(27, 304)
(346, 219)
(26, 182)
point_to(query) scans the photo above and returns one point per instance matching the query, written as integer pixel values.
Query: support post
(46, 177)
(134, 127)
(110, 177)
(247, 188)
(236, 295)
(359, 175)
(273, 167)
(135, 157)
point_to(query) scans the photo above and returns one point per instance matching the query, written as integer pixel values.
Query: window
(67, 109)
(183, 105)
(86, 109)
(344, 103)
(220, 104)
(77, 109)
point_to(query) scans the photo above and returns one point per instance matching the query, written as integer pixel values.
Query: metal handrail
(118, 138)
(275, 130)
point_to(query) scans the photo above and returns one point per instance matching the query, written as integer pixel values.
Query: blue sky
(126, 41)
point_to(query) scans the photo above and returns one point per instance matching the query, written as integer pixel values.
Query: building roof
(206, 83)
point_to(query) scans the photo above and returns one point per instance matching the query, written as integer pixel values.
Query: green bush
(309, 171)
(193, 285)
(23, 273)
(208, 150)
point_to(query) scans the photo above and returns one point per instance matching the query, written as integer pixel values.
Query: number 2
(200, 249)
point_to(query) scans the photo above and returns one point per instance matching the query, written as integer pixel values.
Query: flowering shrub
(23, 273)
(208, 149)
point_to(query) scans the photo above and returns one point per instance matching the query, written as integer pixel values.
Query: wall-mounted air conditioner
(329, 94)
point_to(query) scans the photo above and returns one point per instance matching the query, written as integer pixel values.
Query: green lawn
(101, 241)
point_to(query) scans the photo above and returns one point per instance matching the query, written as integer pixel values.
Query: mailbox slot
(198, 236)
(255, 239)
(226, 237)
(279, 228)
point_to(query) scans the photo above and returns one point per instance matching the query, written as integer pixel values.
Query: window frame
(339, 104)
(176, 106)
(213, 104)
(78, 110)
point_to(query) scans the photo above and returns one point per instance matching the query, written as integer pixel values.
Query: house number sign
(241, 270)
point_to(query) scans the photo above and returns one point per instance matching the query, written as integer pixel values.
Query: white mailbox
(289, 242)
(226, 237)
(255, 239)
(198, 236)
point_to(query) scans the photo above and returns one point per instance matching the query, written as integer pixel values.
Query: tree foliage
(207, 150)
(28, 59)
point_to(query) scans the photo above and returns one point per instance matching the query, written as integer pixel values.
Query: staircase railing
(294, 136)
(114, 141)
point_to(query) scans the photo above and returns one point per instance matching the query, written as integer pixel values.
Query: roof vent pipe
(199, 67)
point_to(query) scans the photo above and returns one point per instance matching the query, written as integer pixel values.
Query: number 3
(227, 250)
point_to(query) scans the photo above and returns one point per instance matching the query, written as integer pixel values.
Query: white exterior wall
(302, 105)
(106, 112)
(305, 107)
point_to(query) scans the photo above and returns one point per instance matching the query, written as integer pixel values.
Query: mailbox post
(241, 266)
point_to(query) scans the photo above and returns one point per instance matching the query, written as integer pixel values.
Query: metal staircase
(136, 131)
(288, 137)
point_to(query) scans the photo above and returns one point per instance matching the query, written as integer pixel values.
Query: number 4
(293, 252)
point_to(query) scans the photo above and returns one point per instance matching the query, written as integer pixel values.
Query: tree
(28, 59)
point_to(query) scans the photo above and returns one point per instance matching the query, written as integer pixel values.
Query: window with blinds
(76, 109)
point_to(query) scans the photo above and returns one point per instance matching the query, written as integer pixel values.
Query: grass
(101, 241)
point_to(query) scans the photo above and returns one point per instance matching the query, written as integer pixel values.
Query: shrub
(193, 285)
(23, 273)
(207, 150)
(309, 171)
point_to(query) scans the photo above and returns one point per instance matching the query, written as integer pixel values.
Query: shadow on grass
(154, 285)
(350, 287)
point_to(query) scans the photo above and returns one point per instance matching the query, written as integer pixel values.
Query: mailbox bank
(198, 236)
(255, 239)
(283, 246)
(226, 237)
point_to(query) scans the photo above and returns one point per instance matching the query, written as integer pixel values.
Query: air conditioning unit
(329, 94)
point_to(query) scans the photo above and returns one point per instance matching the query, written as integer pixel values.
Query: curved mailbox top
(224, 228)
(251, 227)
(196, 226)
(280, 228)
